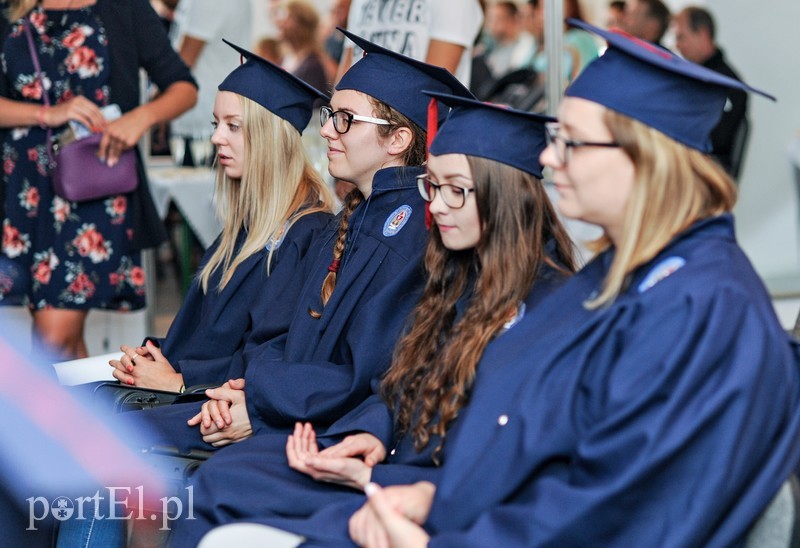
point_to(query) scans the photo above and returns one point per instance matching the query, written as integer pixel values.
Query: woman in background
(63, 258)
(298, 24)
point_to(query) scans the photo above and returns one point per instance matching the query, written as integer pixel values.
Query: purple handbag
(78, 174)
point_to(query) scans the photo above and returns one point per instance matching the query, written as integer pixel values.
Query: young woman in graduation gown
(272, 205)
(653, 400)
(496, 249)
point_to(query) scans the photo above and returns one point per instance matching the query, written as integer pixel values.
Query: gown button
(502, 420)
(393, 451)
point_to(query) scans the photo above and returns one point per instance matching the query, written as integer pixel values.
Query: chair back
(739, 148)
(779, 524)
(796, 331)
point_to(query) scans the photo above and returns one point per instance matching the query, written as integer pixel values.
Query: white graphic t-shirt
(408, 26)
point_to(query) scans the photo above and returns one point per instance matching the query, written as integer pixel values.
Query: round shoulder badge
(277, 239)
(396, 220)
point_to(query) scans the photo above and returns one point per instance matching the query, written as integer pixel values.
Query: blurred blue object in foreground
(58, 455)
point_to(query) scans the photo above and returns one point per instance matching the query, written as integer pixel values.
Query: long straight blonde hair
(278, 186)
(674, 187)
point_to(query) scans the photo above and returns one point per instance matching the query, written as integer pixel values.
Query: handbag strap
(40, 76)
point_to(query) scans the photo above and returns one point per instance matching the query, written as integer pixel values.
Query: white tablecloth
(192, 190)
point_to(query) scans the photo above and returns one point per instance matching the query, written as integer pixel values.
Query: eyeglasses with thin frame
(562, 146)
(453, 196)
(342, 120)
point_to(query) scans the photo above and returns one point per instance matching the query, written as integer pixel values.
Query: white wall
(762, 42)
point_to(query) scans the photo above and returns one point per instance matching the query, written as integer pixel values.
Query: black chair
(739, 148)
(522, 89)
(796, 331)
(779, 524)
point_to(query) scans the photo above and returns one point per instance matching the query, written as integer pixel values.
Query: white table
(192, 190)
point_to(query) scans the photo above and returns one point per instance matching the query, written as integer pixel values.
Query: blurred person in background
(616, 13)
(439, 32)
(65, 258)
(332, 40)
(200, 26)
(695, 35)
(298, 26)
(646, 19)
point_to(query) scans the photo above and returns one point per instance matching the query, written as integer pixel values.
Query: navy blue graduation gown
(323, 368)
(210, 327)
(668, 418)
(252, 481)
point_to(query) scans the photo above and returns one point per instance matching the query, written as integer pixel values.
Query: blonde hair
(17, 9)
(674, 186)
(278, 186)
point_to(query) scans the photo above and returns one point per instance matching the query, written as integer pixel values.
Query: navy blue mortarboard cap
(396, 79)
(641, 80)
(509, 136)
(273, 88)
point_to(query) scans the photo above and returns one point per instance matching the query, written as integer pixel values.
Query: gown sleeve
(282, 392)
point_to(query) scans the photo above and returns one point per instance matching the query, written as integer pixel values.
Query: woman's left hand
(122, 134)
(380, 523)
(303, 456)
(223, 419)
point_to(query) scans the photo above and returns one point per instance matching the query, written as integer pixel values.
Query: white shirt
(408, 26)
(210, 21)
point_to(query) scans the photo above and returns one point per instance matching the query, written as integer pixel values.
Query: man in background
(695, 40)
(646, 19)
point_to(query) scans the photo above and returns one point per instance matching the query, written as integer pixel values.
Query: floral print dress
(57, 253)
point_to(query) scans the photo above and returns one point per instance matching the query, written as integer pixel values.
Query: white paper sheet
(91, 369)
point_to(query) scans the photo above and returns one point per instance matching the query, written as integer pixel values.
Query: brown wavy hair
(435, 362)
(413, 156)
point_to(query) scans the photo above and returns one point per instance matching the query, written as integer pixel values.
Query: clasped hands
(223, 419)
(349, 462)
(393, 516)
(153, 371)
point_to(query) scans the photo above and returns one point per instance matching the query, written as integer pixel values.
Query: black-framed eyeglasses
(563, 146)
(342, 120)
(453, 196)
